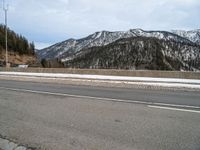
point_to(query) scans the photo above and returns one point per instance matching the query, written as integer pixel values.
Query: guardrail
(133, 73)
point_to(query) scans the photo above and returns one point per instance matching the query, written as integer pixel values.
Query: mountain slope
(15, 58)
(193, 35)
(20, 51)
(68, 48)
(71, 46)
(139, 53)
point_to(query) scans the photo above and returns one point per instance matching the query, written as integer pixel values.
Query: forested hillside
(16, 43)
(139, 53)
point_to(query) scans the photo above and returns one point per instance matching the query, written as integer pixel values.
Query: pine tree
(16, 43)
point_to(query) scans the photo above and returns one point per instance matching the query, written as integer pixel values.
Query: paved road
(62, 122)
(146, 95)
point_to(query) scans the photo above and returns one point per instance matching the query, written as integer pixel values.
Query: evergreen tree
(16, 43)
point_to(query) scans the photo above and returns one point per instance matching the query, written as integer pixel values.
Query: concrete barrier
(144, 73)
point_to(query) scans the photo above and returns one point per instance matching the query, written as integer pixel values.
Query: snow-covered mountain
(139, 53)
(66, 49)
(71, 46)
(132, 49)
(193, 35)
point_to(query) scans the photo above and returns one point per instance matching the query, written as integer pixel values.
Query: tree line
(16, 42)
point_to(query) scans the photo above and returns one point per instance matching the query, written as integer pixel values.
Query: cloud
(51, 21)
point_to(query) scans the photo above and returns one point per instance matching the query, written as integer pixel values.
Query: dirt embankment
(15, 58)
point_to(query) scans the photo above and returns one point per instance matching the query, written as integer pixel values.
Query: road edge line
(101, 98)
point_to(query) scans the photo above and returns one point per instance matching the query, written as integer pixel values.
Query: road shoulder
(104, 83)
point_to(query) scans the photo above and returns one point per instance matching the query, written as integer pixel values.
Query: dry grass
(15, 58)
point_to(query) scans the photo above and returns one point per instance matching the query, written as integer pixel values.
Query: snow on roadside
(104, 77)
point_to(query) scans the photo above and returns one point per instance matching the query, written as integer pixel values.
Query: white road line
(100, 98)
(176, 109)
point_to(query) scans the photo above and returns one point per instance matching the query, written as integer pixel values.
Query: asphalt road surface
(69, 117)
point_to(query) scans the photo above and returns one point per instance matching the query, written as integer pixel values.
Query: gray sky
(49, 21)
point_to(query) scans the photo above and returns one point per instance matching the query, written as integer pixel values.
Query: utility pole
(5, 8)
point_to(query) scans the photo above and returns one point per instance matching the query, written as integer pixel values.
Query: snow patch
(103, 77)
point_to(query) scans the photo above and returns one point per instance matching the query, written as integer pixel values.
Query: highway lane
(191, 98)
(58, 122)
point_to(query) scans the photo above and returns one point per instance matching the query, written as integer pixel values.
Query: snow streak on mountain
(193, 35)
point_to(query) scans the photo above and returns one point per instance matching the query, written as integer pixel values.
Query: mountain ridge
(192, 35)
(70, 46)
(185, 43)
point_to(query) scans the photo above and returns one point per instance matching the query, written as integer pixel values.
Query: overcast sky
(49, 21)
